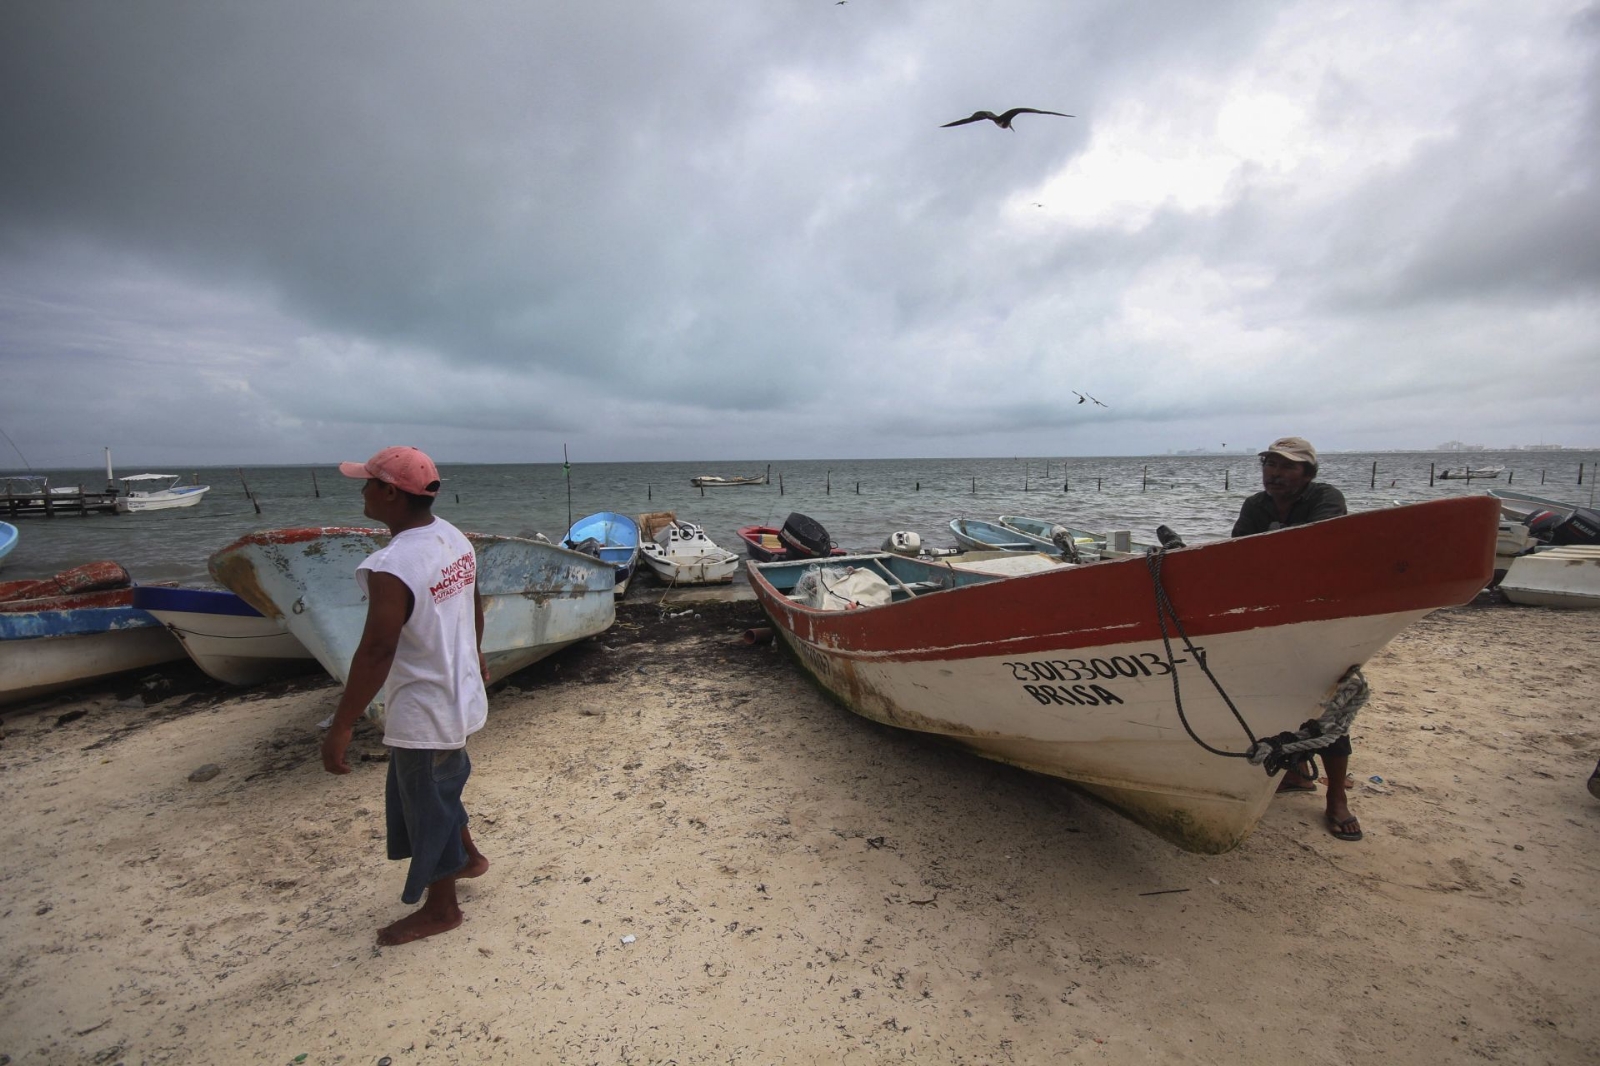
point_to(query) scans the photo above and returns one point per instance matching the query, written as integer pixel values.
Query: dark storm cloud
(509, 223)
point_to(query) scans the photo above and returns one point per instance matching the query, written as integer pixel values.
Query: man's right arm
(388, 608)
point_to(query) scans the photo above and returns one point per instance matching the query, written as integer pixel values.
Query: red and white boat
(1065, 672)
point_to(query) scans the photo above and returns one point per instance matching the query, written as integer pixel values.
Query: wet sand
(799, 884)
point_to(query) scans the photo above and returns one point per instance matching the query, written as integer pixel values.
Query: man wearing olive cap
(1291, 496)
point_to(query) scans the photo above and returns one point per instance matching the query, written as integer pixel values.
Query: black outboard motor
(804, 537)
(588, 546)
(1581, 527)
(1542, 525)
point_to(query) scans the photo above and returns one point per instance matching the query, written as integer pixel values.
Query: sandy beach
(696, 857)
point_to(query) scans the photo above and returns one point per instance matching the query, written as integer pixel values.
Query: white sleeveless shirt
(433, 697)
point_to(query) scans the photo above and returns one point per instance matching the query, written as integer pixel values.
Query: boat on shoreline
(1071, 671)
(227, 638)
(74, 628)
(680, 553)
(614, 538)
(537, 598)
(8, 540)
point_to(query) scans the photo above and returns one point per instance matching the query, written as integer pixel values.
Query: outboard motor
(1542, 525)
(1581, 527)
(903, 542)
(804, 537)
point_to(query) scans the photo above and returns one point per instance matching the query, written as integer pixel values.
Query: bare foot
(477, 865)
(416, 926)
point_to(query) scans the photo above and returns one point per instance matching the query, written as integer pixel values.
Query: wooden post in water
(1580, 473)
(1374, 475)
(1097, 484)
(1225, 475)
(246, 485)
(1145, 483)
(1066, 483)
(769, 474)
(919, 486)
(315, 491)
(974, 486)
(827, 484)
(1541, 477)
(649, 491)
(1430, 475)
(1509, 475)
(858, 488)
(780, 484)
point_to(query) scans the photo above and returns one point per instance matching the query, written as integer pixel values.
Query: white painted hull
(237, 650)
(43, 665)
(161, 501)
(537, 598)
(1120, 737)
(1556, 577)
(693, 570)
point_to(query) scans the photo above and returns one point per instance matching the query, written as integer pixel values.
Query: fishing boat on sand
(1566, 576)
(8, 540)
(1077, 672)
(613, 537)
(537, 598)
(680, 553)
(227, 638)
(76, 627)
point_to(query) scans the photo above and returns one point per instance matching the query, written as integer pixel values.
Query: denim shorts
(422, 805)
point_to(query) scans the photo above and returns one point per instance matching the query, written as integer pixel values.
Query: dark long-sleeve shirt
(1260, 515)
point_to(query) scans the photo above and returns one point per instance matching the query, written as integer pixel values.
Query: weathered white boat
(1087, 545)
(75, 633)
(1566, 576)
(157, 492)
(1066, 671)
(680, 553)
(225, 636)
(537, 597)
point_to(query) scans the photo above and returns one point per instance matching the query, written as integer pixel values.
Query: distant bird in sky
(1101, 404)
(1004, 121)
(1079, 395)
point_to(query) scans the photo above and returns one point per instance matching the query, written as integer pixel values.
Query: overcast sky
(285, 232)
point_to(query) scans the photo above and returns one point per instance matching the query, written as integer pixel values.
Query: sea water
(859, 501)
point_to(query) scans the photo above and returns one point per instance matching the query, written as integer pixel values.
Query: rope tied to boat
(1164, 610)
(1275, 753)
(1338, 713)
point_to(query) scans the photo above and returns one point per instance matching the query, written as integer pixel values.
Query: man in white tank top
(420, 649)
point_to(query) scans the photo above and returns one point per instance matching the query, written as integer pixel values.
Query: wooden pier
(54, 503)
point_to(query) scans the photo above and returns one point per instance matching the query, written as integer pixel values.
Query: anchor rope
(1152, 560)
(1275, 753)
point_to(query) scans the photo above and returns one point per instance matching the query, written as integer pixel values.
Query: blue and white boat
(614, 536)
(537, 597)
(8, 540)
(975, 534)
(49, 643)
(225, 636)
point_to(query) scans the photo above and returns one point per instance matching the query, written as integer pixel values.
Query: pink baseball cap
(407, 469)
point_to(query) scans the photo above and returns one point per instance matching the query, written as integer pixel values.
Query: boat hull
(1064, 672)
(537, 598)
(227, 638)
(186, 496)
(1568, 576)
(618, 536)
(57, 643)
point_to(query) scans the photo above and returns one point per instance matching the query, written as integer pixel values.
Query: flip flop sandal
(1289, 786)
(1341, 828)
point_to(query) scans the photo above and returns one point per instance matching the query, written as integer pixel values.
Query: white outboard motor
(903, 542)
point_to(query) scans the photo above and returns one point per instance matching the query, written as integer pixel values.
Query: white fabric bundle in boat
(840, 588)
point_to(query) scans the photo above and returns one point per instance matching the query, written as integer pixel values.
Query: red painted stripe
(1382, 562)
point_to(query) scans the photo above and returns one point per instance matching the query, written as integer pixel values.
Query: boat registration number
(1073, 682)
